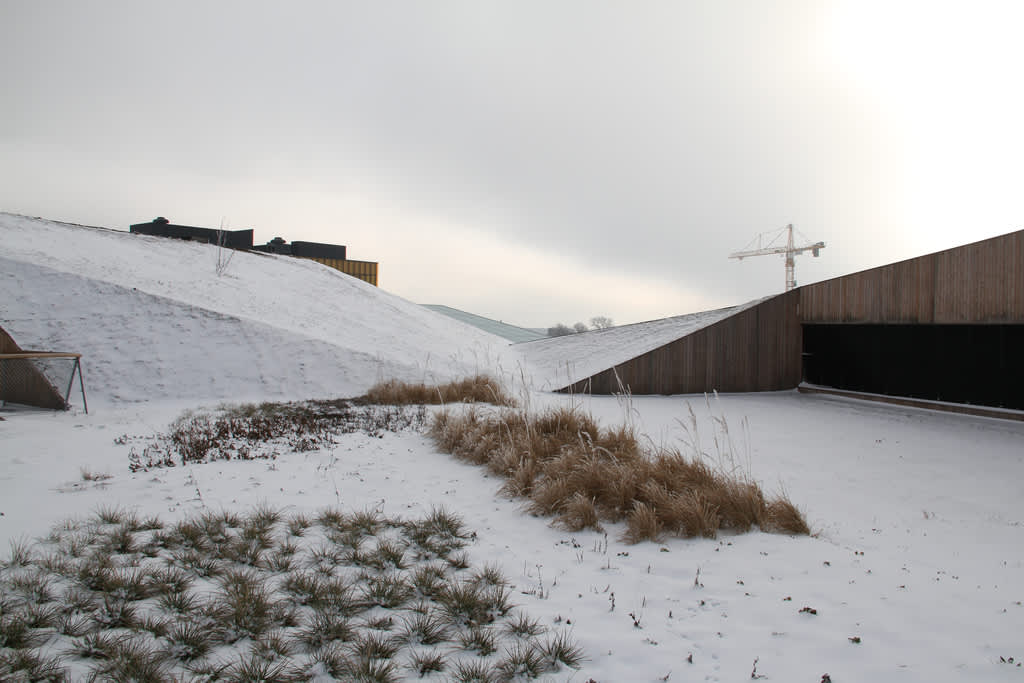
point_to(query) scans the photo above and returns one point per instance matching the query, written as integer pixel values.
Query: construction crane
(771, 247)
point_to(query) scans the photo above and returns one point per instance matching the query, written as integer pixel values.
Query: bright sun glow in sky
(533, 162)
(946, 75)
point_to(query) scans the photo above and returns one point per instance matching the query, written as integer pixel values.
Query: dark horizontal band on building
(332, 255)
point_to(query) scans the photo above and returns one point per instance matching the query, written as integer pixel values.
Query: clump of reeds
(476, 389)
(569, 467)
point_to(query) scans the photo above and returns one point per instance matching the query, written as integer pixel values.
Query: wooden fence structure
(980, 283)
(363, 270)
(23, 383)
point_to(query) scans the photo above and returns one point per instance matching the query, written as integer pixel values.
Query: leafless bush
(251, 431)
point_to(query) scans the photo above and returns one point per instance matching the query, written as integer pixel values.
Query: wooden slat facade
(759, 349)
(980, 283)
(7, 343)
(755, 350)
(364, 270)
(21, 382)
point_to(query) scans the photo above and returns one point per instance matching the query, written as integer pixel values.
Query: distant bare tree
(560, 330)
(601, 322)
(224, 256)
(579, 327)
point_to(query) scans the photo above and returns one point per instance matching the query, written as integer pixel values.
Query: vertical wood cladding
(364, 270)
(977, 283)
(759, 349)
(755, 350)
(7, 343)
(22, 382)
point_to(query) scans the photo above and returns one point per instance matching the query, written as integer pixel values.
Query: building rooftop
(511, 332)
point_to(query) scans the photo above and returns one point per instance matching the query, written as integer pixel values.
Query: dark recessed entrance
(976, 364)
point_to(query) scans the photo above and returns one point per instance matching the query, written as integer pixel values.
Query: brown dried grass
(690, 515)
(669, 468)
(740, 504)
(549, 497)
(620, 491)
(579, 513)
(643, 524)
(504, 459)
(521, 480)
(571, 469)
(477, 389)
(785, 518)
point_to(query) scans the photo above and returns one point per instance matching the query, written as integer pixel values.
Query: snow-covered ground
(154, 319)
(919, 518)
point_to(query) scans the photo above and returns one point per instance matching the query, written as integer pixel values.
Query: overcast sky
(532, 161)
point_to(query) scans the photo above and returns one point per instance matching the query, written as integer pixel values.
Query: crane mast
(789, 250)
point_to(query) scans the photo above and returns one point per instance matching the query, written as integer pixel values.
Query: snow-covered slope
(916, 572)
(154, 320)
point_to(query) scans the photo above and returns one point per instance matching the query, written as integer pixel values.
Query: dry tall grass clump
(478, 389)
(570, 468)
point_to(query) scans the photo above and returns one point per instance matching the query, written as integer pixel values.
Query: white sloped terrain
(153, 319)
(915, 571)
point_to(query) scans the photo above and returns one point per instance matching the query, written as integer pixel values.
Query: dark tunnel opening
(973, 364)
